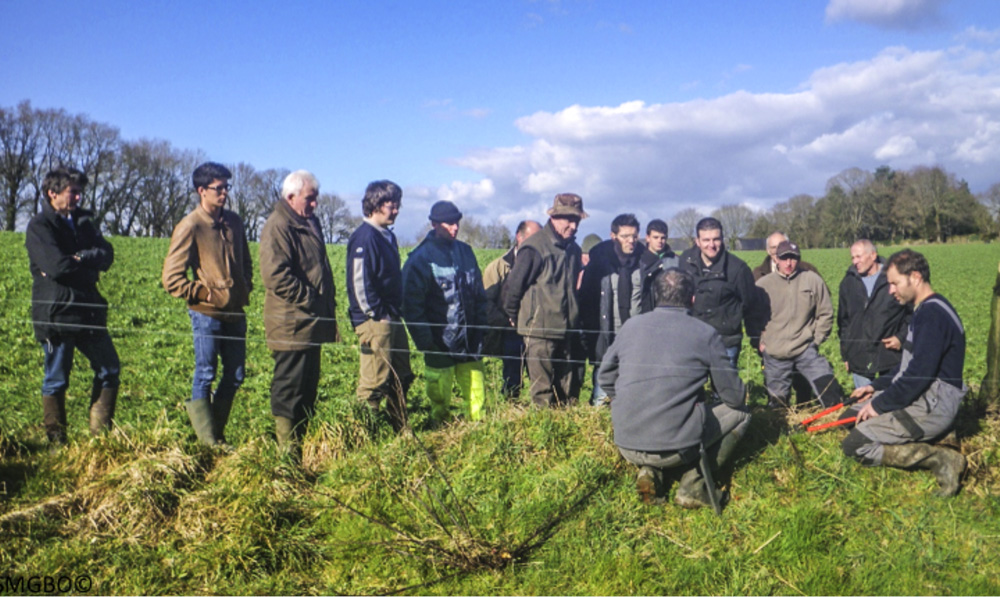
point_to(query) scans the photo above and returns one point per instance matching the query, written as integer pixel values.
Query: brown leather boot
(54, 417)
(102, 409)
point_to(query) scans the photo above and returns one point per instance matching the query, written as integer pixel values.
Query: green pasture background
(524, 502)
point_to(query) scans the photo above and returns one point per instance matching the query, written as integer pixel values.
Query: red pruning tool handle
(820, 415)
(832, 424)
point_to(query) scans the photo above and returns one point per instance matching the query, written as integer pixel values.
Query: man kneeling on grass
(917, 404)
(655, 374)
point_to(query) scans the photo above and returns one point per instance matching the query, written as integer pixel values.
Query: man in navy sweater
(918, 403)
(375, 301)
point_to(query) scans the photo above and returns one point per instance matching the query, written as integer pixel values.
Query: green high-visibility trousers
(471, 385)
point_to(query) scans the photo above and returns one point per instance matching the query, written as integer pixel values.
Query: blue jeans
(599, 397)
(95, 345)
(214, 338)
(860, 381)
(733, 352)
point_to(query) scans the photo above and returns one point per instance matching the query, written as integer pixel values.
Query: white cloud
(975, 34)
(892, 14)
(901, 108)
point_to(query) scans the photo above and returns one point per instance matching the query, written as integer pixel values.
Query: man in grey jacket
(657, 392)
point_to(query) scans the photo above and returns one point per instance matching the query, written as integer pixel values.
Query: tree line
(887, 206)
(143, 188)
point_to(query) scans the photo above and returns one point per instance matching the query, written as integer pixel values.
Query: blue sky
(648, 107)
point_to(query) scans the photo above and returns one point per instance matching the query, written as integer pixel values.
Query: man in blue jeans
(211, 243)
(67, 255)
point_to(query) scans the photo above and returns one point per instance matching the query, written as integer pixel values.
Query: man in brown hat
(541, 302)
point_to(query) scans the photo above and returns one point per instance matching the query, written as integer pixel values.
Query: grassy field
(523, 502)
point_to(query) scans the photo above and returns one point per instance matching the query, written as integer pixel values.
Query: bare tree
(19, 146)
(684, 221)
(253, 195)
(736, 220)
(335, 218)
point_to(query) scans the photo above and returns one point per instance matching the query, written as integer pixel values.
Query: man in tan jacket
(299, 306)
(502, 340)
(211, 243)
(799, 318)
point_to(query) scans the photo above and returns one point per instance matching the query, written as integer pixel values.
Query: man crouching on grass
(654, 374)
(918, 403)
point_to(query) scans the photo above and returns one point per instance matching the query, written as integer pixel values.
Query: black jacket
(596, 301)
(66, 262)
(863, 322)
(725, 294)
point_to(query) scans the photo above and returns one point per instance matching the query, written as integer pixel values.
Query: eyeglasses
(221, 187)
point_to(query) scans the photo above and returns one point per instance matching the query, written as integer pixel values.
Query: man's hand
(863, 393)
(761, 346)
(892, 343)
(867, 412)
(847, 367)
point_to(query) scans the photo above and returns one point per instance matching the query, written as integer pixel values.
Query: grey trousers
(929, 417)
(720, 420)
(812, 365)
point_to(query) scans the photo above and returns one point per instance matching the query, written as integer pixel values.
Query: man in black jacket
(67, 254)
(725, 295)
(871, 324)
(617, 284)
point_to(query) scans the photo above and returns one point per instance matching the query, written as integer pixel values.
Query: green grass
(523, 502)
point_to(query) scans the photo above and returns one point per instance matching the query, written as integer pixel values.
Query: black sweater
(936, 341)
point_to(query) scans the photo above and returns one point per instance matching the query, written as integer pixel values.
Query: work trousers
(385, 364)
(555, 378)
(812, 365)
(440, 381)
(930, 417)
(295, 383)
(720, 421)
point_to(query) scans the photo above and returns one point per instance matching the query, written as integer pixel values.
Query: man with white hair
(871, 323)
(299, 306)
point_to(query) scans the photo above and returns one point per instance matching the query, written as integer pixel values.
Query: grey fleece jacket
(655, 373)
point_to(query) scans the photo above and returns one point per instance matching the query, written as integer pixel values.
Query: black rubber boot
(54, 417)
(220, 417)
(102, 409)
(691, 491)
(946, 464)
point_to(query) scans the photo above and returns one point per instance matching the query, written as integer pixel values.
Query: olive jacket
(299, 303)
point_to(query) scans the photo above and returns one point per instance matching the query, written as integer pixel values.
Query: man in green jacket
(444, 306)
(541, 302)
(299, 306)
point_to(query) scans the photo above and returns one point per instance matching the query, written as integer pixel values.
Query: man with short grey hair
(872, 325)
(299, 306)
(657, 392)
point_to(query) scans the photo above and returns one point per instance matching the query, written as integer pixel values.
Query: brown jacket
(218, 256)
(494, 276)
(299, 305)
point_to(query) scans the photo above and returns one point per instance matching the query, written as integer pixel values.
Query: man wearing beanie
(444, 306)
